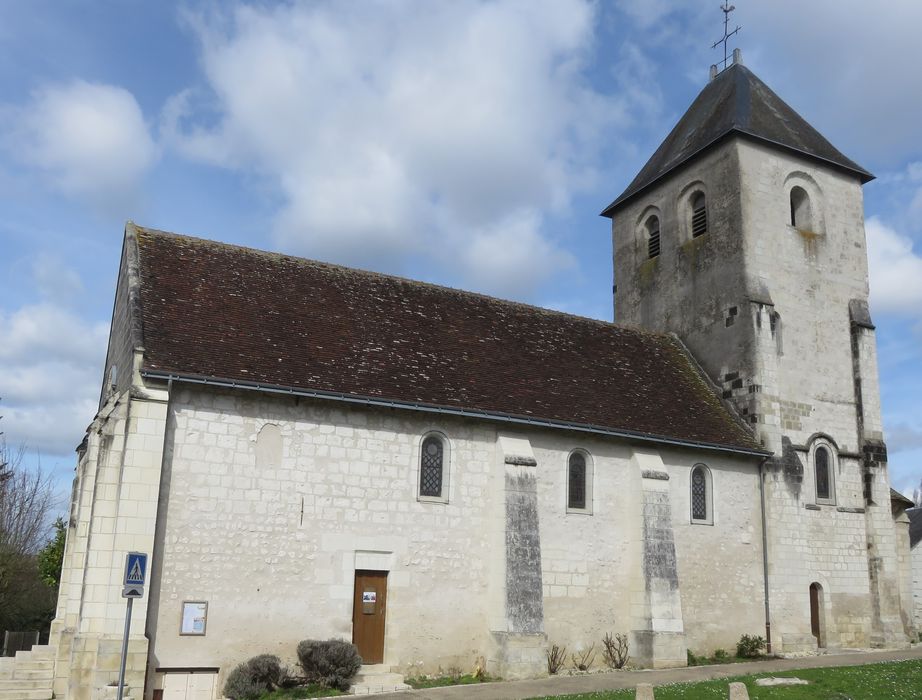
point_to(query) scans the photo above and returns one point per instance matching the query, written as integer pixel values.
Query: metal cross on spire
(727, 8)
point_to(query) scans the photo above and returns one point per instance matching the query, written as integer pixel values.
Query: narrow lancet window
(699, 222)
(576, 491)
(700, 496)
(821, 464)
(432, 464)
(801, 213)
(653, 243)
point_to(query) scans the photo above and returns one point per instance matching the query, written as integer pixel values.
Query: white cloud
(50, 365)
(88, 139)
(404, 128)
(895, 271)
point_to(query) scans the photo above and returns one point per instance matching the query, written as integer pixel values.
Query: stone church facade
(309, 451)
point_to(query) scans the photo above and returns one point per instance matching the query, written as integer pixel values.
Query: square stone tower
(744, 236)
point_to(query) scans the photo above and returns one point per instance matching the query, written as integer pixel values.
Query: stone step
(374, 689)
(44, 694)
(29, 665)
(43, 651)
(32, 674)
(377, 678)
(25, 684)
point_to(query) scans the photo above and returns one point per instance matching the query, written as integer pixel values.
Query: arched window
(699, 215)
(701, 509)
(824, 473)
(579, 483)
(801, 212)
(653, 245)
(433, 482)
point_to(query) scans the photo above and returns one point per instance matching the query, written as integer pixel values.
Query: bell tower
(744, 236)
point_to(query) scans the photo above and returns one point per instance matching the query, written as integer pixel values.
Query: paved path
(565, 685)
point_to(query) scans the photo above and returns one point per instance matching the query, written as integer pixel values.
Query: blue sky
(466, 143)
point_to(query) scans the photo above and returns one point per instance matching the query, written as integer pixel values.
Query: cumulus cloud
(50, 364)
(895, 270)
(88, 139)
(447, 120)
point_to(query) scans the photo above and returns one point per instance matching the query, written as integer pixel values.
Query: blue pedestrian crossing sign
(135, 569)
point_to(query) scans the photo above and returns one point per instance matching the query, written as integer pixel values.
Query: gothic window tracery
(579, 482)
(432, 467)
(701, 495)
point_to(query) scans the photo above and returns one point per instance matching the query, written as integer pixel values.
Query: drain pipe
(768, 619)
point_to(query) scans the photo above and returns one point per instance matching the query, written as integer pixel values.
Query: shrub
(556, 656)
(332, 663)
(615, 652)
(749, 647)
(582, 661)
(721, 655)
(254, 677)
(692, 659)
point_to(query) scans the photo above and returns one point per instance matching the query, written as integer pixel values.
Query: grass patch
(441, 681)
(899, 680)
(694, 660)
(304, 691)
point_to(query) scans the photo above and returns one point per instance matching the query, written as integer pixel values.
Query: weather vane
(727, 8)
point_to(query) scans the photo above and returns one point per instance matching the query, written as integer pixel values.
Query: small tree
(26, 500)
(51, 556)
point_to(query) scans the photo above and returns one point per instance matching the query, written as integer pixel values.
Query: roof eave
(180, 377)
(863, 175)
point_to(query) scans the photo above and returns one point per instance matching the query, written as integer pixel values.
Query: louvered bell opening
(699, 221)
(653, 244)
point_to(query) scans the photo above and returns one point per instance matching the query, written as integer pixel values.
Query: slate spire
(736, 102)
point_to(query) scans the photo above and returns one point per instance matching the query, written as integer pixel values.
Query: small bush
(332, 663)
(615, 650)
(556, 656)
(721, 655)
(583, 660)
(254, 677)
(692, 659)
(749, 647)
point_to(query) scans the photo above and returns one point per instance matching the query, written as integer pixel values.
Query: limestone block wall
(720, 564)
(269, 531)
(916, 557)
(588, 557)
(811, 275)
(695, 286)
(113, 511)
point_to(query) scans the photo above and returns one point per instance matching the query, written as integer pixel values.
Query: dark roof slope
(736, 101)
(915, 525)
(216, 310)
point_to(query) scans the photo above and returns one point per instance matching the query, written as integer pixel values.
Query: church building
(311, 451)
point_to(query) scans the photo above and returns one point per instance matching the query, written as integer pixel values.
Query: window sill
(578, 511)
(431, 499)
(702, 522)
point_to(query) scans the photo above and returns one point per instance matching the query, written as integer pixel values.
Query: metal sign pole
(121, 672)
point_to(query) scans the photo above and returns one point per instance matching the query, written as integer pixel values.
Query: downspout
(768, 618)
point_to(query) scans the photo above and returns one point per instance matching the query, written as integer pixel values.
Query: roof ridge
(399, 278)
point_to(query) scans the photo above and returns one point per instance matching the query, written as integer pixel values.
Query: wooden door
(815, 612)
(369, 607)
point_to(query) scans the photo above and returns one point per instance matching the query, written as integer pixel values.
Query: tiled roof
(736, 101)
(220, 311)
